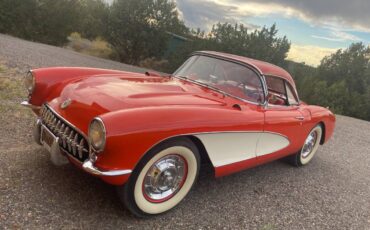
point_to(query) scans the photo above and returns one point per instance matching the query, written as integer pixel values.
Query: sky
(316, 28)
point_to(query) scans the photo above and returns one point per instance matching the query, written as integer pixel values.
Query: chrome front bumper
(58, 158)
(88, 166)
(28, 105)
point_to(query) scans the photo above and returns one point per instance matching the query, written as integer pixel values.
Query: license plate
(47, 138)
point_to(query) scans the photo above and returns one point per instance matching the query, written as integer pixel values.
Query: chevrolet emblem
(66, 103)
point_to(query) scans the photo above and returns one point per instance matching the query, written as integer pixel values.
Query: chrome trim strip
(29, 105)
(88, 166)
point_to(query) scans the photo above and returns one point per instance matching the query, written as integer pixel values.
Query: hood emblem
(66, 103)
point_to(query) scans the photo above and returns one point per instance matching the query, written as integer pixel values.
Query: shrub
(98, 47)
(153, 63)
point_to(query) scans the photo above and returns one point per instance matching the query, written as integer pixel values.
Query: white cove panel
(270, 143)
(231, 147)
(227, 148)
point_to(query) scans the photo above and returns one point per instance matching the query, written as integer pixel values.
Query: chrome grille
(70, 140)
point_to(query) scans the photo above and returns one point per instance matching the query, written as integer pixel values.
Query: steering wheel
(215, 79)
(255, 94)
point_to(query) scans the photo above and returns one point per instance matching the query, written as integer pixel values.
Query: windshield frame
(249, 66)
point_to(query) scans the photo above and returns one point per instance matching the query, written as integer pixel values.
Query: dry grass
(97, 47)
(12, 92)
(152, 63)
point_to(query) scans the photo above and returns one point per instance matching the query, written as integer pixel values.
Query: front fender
(49, 82)
(325, 116)
(133, 132)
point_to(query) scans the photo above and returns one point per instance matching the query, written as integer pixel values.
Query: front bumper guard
(57, 157)
(88, 166)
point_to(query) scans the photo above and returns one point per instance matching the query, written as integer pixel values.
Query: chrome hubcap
(309, 144)
(165, 178)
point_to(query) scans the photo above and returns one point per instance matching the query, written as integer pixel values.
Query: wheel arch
(322, 124)
(204, 157)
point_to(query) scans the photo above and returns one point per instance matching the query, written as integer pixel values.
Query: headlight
(97, 134)
(29, 82)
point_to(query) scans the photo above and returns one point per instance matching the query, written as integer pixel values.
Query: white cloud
(311, 55)
(315, 12)
(327, 38)
(333, 13)
(345, 36)
(339, 36)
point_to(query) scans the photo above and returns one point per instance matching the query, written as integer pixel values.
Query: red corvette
(148, 134)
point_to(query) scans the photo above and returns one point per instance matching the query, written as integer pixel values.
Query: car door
(284, 119)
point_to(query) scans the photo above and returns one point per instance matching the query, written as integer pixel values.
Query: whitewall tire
(162, 178)
(309, 148)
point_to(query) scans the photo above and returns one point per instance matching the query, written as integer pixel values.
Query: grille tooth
(61, 135)
(74, 144)
(49, 118)
(65, 136)
(70, 140)
(57, 128)
(54, 123)
(42, 112)
(81, 148)
(61, 130)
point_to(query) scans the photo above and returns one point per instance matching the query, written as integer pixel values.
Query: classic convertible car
(148, 134)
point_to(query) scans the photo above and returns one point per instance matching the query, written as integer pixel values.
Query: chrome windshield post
(265, 91)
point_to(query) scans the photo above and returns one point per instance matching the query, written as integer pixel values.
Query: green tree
(137, 28)
(261, 44)
(18, 17)
(347, 76)
(46, 21)
(56, 20)
(94, 18)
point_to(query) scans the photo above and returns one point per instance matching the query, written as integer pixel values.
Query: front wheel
(162, 179)
(309, 148)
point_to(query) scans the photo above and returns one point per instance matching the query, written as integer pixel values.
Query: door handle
(301, 118)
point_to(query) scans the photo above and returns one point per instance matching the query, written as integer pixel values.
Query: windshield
(232, 78)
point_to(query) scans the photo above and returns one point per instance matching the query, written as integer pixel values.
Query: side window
(280, 92)
(292, 99)
(276, 91)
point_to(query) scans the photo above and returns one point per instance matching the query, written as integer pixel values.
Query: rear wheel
(162, 179)
(309, 148)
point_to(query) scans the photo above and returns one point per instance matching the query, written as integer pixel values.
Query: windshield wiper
(182, 77)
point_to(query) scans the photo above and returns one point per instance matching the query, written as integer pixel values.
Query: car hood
(90, 97)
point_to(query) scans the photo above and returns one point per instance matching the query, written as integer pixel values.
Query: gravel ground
(332, 192)
(24, 55)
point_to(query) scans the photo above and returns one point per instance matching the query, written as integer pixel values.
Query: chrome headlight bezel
(29, 82)
(97, 135)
